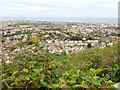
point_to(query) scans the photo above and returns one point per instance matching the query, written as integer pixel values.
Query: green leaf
(107, 76)
(12, 84)
(85, 78)
(96, 82)
(36, 71)
(27, 78)
(109, 83)
(15, 72)
(34, 76)
(25, 70)
(11, 78)
(42, 76)
(61, 80)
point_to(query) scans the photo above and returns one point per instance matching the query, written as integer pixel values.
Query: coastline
(66, 19)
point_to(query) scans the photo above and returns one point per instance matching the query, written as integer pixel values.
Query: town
(54, 37)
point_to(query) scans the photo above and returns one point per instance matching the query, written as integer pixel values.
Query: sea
(66, 19)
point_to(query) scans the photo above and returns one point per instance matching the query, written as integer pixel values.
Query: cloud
(59, 8)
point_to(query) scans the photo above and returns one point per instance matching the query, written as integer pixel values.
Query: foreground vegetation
(97, 68)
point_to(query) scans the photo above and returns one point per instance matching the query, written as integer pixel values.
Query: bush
(86, 69)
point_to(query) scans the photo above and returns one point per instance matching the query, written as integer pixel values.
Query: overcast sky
(59, 8)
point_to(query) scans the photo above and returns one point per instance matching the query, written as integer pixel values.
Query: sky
(59, 8)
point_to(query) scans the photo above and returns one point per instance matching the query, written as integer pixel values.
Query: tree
(89, 45)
